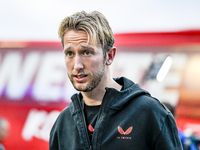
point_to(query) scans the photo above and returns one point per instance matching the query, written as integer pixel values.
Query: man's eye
(69, 54)
(87, 53)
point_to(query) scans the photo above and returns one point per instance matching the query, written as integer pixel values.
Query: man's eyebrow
(87, 47)
(66, 48)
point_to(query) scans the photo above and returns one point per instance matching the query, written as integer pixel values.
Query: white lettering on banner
(38, 124)
(52, 84)
(49, 80)
(16, 74)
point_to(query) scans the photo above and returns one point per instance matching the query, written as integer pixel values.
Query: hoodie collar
(117, 99)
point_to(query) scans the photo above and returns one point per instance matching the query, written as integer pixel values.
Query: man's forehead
(82, 35)
(83, 46)
(73, 35)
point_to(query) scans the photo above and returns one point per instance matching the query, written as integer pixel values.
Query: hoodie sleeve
(168, 138)
(53, 140)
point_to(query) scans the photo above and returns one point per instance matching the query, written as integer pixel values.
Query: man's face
(85, 62)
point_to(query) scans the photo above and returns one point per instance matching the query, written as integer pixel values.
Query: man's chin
(80, 88)
(83, 88)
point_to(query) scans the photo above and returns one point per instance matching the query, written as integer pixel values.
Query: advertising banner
(34, 85)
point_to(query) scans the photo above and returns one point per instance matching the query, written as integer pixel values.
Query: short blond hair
(94, 24)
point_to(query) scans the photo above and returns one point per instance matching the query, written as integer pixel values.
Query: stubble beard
(95, 80)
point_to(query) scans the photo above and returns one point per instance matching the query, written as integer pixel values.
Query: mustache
(83, 72)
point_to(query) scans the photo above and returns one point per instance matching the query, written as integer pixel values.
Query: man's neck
(95, 97)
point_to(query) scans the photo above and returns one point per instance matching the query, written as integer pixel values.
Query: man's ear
(110, 56)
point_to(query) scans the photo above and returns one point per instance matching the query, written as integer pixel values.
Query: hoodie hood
(129, 91)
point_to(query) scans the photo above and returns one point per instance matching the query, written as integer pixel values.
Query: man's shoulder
(151, 103)
(153, 108)
(62, 119)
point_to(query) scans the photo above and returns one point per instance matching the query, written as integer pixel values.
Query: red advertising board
(33, 90)
(34, 86)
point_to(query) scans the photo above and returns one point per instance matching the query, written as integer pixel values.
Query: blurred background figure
(4, 128)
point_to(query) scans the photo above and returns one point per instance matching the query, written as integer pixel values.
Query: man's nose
(78, 63)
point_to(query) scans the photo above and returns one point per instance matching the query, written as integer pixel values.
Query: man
(107, 114)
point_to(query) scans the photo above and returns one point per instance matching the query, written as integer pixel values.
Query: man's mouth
(80, 76)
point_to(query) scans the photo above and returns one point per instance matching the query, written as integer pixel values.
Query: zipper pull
(90, 147)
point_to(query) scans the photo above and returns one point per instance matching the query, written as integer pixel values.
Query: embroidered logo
(122, 132)
(90, 128)
(128, 131)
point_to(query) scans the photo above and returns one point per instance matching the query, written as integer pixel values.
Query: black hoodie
(129, 119)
